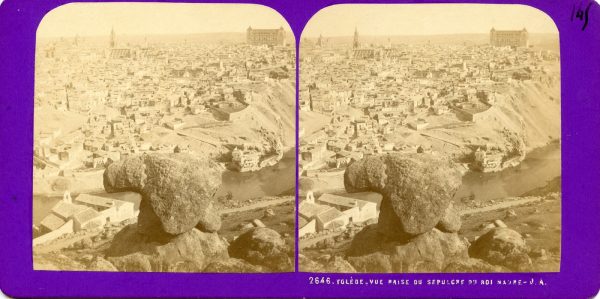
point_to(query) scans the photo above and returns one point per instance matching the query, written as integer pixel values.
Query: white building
(83, 213)
(355, 209)
(306, 227)
(111, 210)
(333, 211)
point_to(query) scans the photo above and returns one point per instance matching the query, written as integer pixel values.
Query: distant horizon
(309, 37)
(139, 19)
(150, 34)
(418, 35)
(425, 19)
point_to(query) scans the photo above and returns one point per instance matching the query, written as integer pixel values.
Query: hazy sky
(94, 19)
(425, 19)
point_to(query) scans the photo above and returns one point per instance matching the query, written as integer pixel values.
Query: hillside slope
(527, 116)
(268, 122)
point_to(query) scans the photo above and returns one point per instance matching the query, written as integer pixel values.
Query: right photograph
(430, 139)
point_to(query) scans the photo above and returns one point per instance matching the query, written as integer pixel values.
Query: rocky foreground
(177, 227)
(418, 226)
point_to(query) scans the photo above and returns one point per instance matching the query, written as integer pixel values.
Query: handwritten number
(586, 16)
(581, 14)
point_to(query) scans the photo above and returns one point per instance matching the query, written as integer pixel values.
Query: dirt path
(457, 144)
(61, 243)
(197, 138)
(258, 205)
(502, 205)
(451, 125)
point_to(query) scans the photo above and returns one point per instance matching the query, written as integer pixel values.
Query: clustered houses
(124, 91)
(85, 212)
(395, 86)
(331, 212)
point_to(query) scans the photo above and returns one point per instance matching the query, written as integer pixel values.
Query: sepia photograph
(164, 139)
(430, 139)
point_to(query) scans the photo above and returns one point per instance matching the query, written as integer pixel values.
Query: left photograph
(164, 139)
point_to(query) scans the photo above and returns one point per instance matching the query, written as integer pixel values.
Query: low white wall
(67, 228)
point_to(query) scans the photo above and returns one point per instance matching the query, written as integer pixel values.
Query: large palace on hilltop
(269, 37)
(509, 38)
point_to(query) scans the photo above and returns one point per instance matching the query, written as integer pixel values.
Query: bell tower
(112, 38)
(355, 43)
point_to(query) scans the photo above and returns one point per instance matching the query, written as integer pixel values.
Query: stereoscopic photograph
(430, 139)
(164, 139)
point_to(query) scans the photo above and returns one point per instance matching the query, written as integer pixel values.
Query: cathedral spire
(112, 37)
(355, 43)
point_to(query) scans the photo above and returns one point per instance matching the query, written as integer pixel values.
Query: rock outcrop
(504, 247)
(428, 252)
(191, 251)
(177, 190)
(417, 187)
(264, 247)
(177, 225)
(417, 225)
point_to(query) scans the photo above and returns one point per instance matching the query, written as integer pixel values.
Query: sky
(97, 19)
(425, 19)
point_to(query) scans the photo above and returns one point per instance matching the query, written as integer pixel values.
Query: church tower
(320, 41)
(112, 38)
(355, 43)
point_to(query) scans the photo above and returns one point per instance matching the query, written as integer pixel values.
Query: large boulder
(418, 187)
(177, 188)
(263, 246)
(428, 252)
(504, 247)
(191, 251)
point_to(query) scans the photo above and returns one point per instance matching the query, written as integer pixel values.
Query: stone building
(509, 38)
(487, 161)
(269, 37)
(245, 160)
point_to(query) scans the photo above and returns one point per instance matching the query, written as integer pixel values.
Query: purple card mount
(318, 48)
